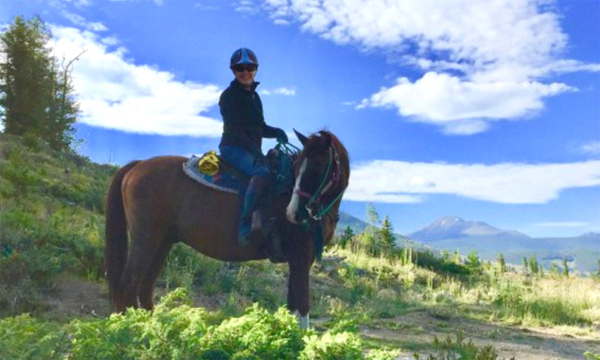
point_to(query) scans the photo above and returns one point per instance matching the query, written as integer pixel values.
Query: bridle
(314, 206)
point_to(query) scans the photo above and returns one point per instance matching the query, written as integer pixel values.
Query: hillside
(53, 300)
(452, 233)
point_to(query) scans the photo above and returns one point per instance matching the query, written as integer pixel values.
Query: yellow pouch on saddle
(209, 163)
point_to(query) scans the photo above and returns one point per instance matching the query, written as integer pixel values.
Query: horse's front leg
(298, 286)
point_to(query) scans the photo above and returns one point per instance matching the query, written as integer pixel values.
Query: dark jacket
(243, 120)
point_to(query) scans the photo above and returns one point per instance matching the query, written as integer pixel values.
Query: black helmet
(243, 56)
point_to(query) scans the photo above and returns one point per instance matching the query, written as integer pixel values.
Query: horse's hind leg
(147, 288)
(144, 245)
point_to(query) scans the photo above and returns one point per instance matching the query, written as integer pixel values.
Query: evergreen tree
(346, 237)
(372, 215)
(445, 255)
(534, 265)
(457, 258)
(370, 238)
(387, 237)
(565, 267)
(525, 265)
(473, 262)
(502, 263)
(36, 91)
(554, 269)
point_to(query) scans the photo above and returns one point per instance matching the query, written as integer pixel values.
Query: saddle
(216, 172)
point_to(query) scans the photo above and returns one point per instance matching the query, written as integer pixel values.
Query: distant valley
(453, 233)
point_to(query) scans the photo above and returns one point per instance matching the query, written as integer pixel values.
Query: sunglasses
(242, 68)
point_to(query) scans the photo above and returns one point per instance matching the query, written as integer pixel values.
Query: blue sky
(483, 109)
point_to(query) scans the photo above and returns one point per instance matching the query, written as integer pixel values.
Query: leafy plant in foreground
(590, 356)
(459, 350)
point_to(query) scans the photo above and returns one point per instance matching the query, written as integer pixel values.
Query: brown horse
(157, 205)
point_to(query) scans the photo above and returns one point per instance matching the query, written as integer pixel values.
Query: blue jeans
(243, 161)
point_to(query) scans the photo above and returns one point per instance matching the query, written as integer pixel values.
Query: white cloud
(80, 21)
(562, 224)
(245, 6)
(463, 107)
(592, 148)
(483, 60)
(509, 183)
(117, 94)
(279, 91)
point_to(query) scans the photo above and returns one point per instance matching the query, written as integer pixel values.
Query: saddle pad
(218, 181)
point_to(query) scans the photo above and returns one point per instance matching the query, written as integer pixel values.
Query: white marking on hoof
(304, 321)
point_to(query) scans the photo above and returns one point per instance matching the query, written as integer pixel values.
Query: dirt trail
(418, 329)
(413, 331)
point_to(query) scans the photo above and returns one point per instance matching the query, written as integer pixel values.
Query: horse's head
(321, 173)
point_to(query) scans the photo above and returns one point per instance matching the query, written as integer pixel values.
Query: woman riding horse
(243, 129)
(152, 204)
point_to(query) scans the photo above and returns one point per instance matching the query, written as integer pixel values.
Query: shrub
(460, 350)
(332, 347)
(177, 331)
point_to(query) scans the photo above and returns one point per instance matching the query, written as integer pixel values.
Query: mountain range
(452, 233)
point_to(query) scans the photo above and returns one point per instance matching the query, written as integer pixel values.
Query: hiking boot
(255, 190)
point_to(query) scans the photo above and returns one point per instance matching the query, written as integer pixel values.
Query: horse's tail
(115, 251)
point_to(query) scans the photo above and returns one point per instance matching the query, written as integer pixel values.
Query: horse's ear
(301, 137)
(327, 139)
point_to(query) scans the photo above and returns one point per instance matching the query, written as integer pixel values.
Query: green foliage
(175, 330)
(347, 237)
(332, 346)
(591, 356)
(534, 266)
(565, 267)
(473, 263)
(501, 263)
(45, 233)
(36, 90)
(460, 350)
(443, 265)
(388, 239)
(516, 301)
(23, 337)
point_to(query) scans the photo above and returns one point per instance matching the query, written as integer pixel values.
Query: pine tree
(473, 262)
(387, 237)
(456, 257)
(36, 91)
(370, 237)
(565, 267)
(534, 265)
(525, 265)
(502, 263)
(346, 237)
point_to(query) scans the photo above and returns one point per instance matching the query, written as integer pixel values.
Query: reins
(316, 198)
(333, 168)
